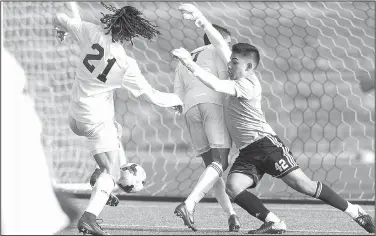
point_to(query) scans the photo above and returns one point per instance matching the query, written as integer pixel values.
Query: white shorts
(207, 128)
(103, 137)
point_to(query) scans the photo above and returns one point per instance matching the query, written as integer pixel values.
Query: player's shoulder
(251, 80)
(92, 25)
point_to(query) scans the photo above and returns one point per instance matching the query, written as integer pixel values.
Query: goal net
(313, 57)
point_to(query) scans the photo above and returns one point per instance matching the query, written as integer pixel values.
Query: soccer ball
(132, 178)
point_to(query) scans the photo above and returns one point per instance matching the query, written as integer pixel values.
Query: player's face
(237, 67)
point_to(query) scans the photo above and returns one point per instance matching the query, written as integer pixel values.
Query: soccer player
(27, 192)
(261, 151)
(104, 67)
(203, 113)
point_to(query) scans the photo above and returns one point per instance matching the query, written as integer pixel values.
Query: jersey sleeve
(245, 88)
(83, 31)
(206, 60)
(134, 81)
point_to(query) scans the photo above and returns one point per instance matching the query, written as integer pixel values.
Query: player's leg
(200, 144)
(212, 131)
(102, 189)
(104, 144)
(281, 164)
(208, 178)
(220, 143)
(219, 190)
(301, 183)
(243, 175)
(112, 200)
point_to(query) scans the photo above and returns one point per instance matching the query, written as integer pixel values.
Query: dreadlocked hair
(126, 23)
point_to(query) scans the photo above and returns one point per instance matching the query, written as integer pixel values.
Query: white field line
(214, 229)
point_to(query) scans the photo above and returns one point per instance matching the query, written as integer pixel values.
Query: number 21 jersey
(103, 67)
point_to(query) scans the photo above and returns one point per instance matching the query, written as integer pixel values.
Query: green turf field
(157, 218)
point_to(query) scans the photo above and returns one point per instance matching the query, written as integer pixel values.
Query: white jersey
(190, 89)
(104, 66)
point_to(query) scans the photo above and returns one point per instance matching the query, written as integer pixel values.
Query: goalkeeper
(204, 117)
(261, 151)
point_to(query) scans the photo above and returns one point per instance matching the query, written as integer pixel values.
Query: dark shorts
(267, 155)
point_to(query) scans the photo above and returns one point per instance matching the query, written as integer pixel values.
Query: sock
(272, 217)
(101, 191)
(222, 197)
(326, 194)
(207, 179)
(252, 205)
(352, 210)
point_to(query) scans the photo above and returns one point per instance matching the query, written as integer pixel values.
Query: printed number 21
(102, 76)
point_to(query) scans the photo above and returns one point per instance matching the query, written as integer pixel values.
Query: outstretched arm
(210, 80)
(191, 12)
(63, 19)
(64, 23)
(161, 99)
(135, 82)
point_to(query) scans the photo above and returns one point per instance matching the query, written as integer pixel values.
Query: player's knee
(225, 164)
(94, 176)
(233, 189)
(307, 187)
(106, 167)
(300, 182)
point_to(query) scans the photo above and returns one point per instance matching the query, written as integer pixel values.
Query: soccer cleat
(365, 221)
(88, 225)
(112, 199)
(188, 217)
(270, 228)
(233, 223)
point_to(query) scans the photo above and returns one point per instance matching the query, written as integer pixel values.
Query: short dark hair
(247, 50)
(223, 31)
(126, 23)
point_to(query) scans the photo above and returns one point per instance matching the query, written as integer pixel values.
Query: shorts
(266, 155)
(207, 127)
(103, 137)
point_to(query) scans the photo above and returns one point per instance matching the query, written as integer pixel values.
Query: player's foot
(112, 200)
(233, 223)
(270, 228)
(187, 216)
(88, 225)
(365, 221)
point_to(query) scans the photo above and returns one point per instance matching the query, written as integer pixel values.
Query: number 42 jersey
(103, 67)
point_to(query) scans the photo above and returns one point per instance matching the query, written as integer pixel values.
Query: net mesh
(313, 56)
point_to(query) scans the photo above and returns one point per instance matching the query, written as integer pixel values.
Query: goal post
(312, 56)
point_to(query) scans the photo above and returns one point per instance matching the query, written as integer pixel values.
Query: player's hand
(178, 110)
(183, 55)
(191, 12)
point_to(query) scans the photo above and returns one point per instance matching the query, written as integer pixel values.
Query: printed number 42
(102, 76)
(281, 165)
